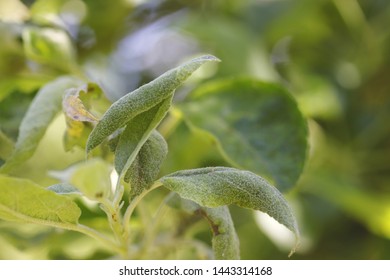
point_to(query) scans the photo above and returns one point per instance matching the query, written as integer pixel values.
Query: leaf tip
(208, 57)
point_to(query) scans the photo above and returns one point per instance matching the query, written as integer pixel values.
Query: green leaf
(225, 242)
(219, 186)
(146, 166)
(23, 200)
(92, 178)
(142, 99)
(226, 245)
(43, 109)
(49, 46)
(136, 133)
(256, 125)
(6, 146)
(64, 189)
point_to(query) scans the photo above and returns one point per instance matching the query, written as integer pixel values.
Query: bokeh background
(332, 55)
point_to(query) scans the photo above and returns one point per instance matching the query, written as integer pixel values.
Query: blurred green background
(332, 55)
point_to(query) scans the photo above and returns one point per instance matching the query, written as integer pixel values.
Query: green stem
(133, 204)
(150, 231)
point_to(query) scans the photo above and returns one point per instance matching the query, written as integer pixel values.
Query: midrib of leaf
(161, 112)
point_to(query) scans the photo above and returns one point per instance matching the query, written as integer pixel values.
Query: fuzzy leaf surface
(136, 134)
(23, 200)
(219, 186)
(142, 99)
(146, 166)
(225, 242)
(257, 126)
(43, 109)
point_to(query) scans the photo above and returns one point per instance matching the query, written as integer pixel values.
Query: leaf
(142, 99)
(146, 166)
(43, 109)
(256, 125)
(49, 46)
(74, 108)
(92, 178)
(23, 200)
(64, 189)
(136, 133)
(79, 120)
(219, 186)
(225, 242)
(6, 146)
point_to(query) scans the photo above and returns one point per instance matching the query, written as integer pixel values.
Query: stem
(133, 204)
(151, 229)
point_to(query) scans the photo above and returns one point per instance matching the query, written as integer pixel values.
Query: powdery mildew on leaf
(146, 166)
(219, 186)
(142, 99)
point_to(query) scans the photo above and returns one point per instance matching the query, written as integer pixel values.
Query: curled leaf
(142, 99)
(136, 134)
(146, 166)
(219, 186)
(79, 120)
(225, 242)
(74, 108)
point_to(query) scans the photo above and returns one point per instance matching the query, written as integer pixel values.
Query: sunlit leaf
(49, 46)
(219, 186)
(92, 178)
(146, 166)
(23, 200)
(256, 125)
(142, 99)
(40, 114)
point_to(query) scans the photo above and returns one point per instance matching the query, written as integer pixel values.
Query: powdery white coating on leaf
(146, 166)
(226, 245)
(22, 200)
(136, 133)
(142, 99)
(218, 186)
(225, 242)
